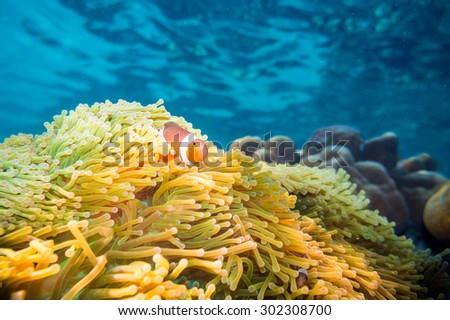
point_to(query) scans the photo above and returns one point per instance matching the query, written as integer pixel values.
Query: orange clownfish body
(183, 144)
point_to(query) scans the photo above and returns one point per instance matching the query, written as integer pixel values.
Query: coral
(399, 190)
(277, 149)
(335, 136)
(437, 214)
(382, 191)
(420, 162)
(382, 149)
(247, 145)
(417, 187)
(89, 211)
(329, 157)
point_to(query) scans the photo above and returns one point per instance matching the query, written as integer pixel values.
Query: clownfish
(183, 144)
(302, 278)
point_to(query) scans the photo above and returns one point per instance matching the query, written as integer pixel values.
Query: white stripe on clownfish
(184, 148)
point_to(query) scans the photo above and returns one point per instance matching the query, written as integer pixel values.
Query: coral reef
(437, 214)
(89, 211)
(398, 189)
(382, 191)
(278, 149)
(420, 162)
(330, 157)
(417, 187)
(247, 145)
(382, 149)
(335, 135)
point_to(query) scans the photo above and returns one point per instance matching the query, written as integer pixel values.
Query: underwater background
(236, 68)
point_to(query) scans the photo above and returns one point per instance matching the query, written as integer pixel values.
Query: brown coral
(437, 214)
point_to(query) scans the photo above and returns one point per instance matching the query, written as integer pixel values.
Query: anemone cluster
(88, 210)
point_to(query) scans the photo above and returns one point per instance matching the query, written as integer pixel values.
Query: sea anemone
(88, 210)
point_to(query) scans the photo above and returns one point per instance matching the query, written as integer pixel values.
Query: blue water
(236, 68)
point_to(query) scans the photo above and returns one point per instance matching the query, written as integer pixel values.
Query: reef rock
(417, 188)
(262, 155)
(421, 162)
(382, 149)
(422, 178)
(330, 157)
(437, 214)
(281, 149)
(247, 144)
(278, 149)
(382, 192)
(335, 136)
